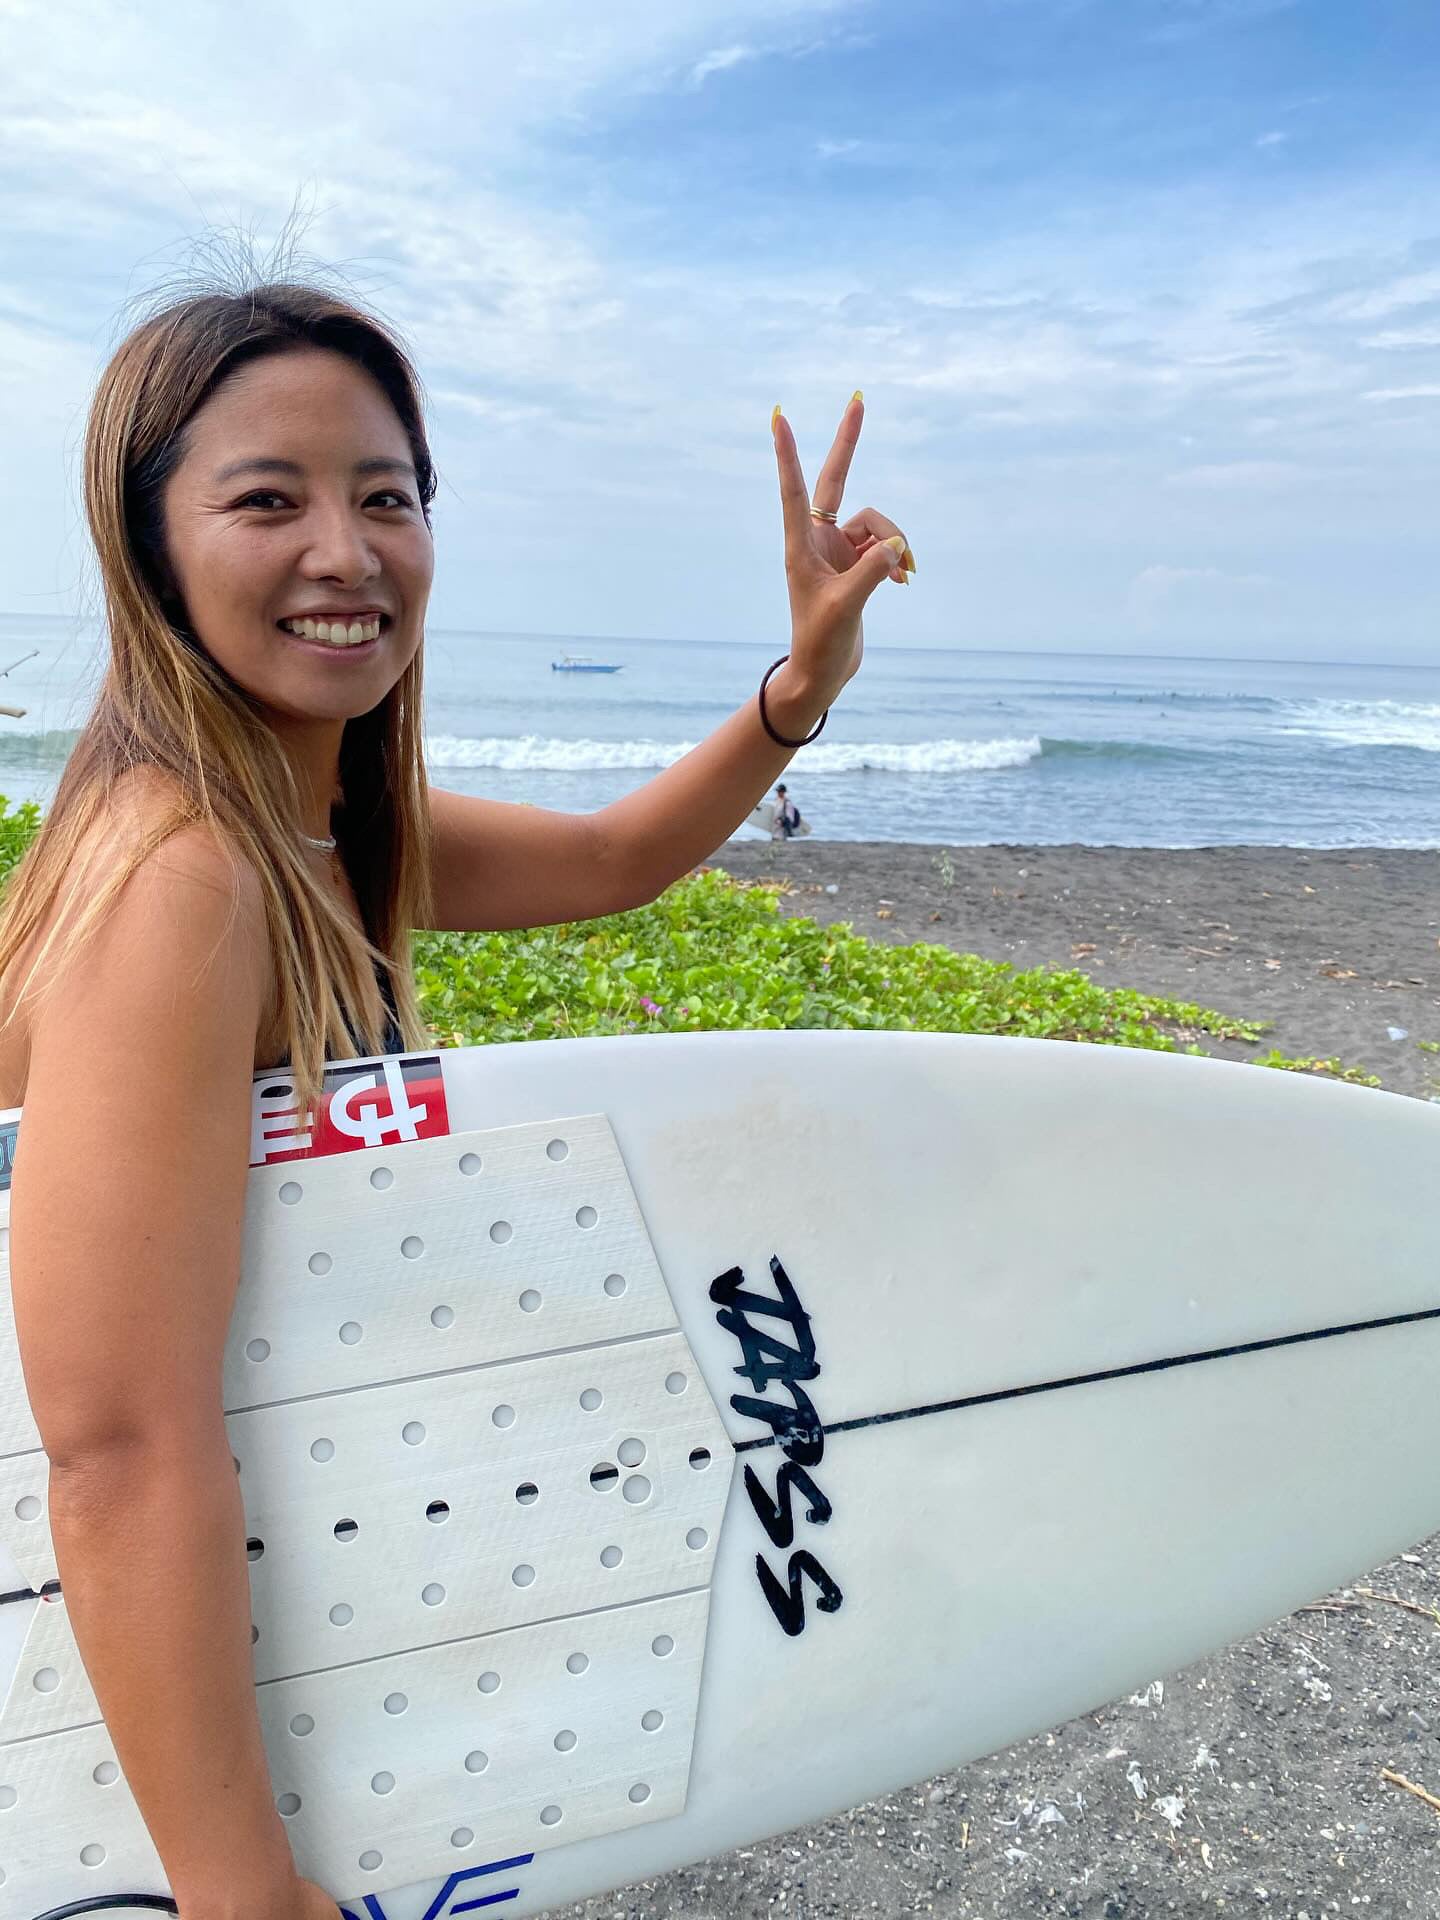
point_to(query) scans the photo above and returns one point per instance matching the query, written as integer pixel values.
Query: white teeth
(335, 633)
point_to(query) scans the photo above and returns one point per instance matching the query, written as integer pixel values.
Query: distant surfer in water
(242, 839)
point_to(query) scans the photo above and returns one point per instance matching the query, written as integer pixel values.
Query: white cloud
(472, 82)
(1160, 580)
(720, 61)
(1030, 385)
(1272, 139)
(1240, 475)
(1180, 594)
(1402, 340)
(1379, 292)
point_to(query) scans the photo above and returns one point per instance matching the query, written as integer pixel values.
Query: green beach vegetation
(713, 953)
(18, 827)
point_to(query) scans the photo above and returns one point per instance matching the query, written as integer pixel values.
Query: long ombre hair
(165, 705)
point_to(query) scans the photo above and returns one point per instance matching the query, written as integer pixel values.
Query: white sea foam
(1366, 723)
(534, 753)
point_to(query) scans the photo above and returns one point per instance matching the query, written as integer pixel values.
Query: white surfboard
(763, 817)
(653, 1444)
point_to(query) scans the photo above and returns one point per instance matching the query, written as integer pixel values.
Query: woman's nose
(340, 548)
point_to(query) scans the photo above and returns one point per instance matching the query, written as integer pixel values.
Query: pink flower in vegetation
(650, 1006)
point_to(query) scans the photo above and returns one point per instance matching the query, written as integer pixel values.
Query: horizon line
(1029, 653)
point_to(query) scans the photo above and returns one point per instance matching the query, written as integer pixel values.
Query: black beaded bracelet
(779, 738)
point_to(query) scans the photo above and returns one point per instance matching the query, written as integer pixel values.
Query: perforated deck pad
(479, 1589)
(390, 1262)
(403, 1768)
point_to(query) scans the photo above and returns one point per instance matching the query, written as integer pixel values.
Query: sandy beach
(1336, 949)
(1279, 1745)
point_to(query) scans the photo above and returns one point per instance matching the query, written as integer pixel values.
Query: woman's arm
(126, 1229)
(496, 865)
(500, 865)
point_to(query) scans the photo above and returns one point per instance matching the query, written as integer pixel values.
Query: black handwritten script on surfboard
(778, 1350)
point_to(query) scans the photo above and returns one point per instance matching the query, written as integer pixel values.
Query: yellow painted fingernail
(857, 395)
(897, 541)
(773, 418)
(907, 560)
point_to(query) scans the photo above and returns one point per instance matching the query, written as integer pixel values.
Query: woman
(241, 841)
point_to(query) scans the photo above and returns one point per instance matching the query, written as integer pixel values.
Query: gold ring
(819, 513)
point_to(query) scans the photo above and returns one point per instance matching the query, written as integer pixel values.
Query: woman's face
(297, 501)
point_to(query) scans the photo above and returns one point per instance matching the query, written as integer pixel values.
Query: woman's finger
(879, 563)
(897, 567)
(830, 486)
(867, 526)
(794, 498)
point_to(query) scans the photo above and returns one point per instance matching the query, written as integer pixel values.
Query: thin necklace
(327, 845)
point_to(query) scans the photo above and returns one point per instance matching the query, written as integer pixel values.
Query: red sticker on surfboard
(365, 1103)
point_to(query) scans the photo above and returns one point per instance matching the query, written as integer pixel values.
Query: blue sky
(1144, 295)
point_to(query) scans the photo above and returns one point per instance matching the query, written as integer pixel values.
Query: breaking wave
(534, 752)
(1367, 723)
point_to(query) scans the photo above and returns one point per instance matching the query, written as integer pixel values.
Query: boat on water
(582, 663)
(16, 713)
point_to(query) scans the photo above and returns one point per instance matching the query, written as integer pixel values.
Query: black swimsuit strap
(391, 1040)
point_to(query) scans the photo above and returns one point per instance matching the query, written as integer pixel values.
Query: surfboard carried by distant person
(763, 817)
(651, 1444)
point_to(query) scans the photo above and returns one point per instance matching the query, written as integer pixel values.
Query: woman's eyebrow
(293, 470)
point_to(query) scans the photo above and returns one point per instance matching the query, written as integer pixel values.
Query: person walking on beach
(787, 816)
(242, 840)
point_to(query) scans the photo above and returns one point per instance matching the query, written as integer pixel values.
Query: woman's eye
(389, 493)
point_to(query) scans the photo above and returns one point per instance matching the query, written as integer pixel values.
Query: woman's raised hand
(832, 570)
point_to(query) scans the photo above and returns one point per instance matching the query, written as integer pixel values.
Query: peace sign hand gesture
(831, 569)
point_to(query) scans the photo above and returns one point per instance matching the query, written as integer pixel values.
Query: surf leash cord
(106, 1903)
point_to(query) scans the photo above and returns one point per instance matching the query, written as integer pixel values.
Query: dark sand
(1292, 1819)
(1334, 949)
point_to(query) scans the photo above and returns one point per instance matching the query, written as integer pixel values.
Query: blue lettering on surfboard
(444, 1906)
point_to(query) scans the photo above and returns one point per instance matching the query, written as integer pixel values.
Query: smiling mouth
(336, 633)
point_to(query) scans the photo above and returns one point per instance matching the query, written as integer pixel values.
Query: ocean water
(940, 746)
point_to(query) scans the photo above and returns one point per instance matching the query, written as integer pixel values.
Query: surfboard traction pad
(479, 1592)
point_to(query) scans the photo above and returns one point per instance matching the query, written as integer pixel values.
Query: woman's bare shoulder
(185, 928)
(149, 821)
